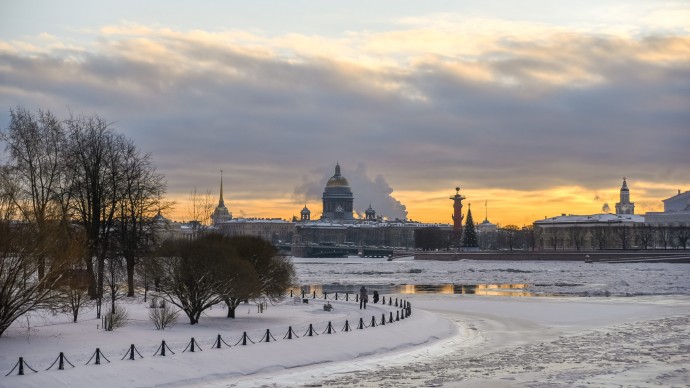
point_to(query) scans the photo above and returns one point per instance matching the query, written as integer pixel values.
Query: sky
(533, 108)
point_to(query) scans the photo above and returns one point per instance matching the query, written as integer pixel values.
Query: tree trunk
(130, 276)
(231, 309)
(92, 281)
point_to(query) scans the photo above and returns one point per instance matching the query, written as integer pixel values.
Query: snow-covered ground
(451, 339)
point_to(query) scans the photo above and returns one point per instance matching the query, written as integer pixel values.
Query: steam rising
(366, 190)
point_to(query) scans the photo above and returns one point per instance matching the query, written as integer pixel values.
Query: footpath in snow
(40, 343)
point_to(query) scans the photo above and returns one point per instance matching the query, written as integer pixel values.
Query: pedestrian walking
(363, 298)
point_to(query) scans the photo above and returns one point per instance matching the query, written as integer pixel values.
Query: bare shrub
(116, 318)
(164, 316)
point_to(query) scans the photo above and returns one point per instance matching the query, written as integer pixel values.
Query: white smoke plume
(366, 190)
(606, 208)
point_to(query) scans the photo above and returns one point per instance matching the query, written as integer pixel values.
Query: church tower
(305, 214)
(625, 206)
(221, 213)
(370, 214)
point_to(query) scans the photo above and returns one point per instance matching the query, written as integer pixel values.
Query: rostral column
(457, 214)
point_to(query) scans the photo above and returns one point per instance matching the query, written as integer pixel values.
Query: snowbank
(40, 345)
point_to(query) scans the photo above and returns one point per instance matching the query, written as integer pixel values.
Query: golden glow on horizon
(505, 206)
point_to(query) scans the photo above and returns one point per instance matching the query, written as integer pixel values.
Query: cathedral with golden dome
(337, 198)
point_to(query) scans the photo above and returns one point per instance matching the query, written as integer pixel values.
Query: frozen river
(519, 278)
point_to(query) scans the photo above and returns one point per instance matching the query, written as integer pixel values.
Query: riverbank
(610, 256)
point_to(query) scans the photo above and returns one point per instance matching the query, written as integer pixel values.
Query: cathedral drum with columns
(337, 198)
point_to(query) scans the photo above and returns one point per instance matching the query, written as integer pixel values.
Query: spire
(486, 210)
(337, 169)
(221, 202)
(625, 185)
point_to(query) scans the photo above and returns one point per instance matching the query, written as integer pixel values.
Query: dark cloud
(581, 110)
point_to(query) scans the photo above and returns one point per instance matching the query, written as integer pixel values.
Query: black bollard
(390, 301)
(356, 297)
(191, 343)
(21, 366)
(314, 297)
(329, 329)
(402, 315)
(347, 326)
(390, 318)
(397, 315)
(131, 352)
(163, 348)
(290, 293)
(289, 334)
(61, 364)
(383, 300)
(373, 321)
(98, 356)
(396, 302)
(310, 332)
(347, 296)
(336, 296)
(383, 318)
(244, 339)
(302, 294)
(361, 324)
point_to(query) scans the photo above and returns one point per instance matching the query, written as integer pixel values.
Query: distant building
(589, 231)
(487, 232)
(337, 198)
(677, 203)
(221, 213)
(676, 212)
(274, 230)
(625, 206)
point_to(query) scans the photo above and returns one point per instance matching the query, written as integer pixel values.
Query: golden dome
(337, 180)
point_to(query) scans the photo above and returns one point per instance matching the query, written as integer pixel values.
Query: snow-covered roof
(592, 218)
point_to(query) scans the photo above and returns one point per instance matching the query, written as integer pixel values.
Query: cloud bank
(429, 105)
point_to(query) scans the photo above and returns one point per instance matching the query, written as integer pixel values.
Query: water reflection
(516, 289)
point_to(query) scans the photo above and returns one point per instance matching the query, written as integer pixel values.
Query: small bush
(115, 319)
(163, 317)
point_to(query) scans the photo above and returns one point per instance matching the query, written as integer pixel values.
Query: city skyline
(538, 109)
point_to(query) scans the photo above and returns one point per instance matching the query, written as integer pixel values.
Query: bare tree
(195, 274)
(21, 290)
(95, 164)
(135, 230)
(681, 234)
(577, 236)
(623, 234)
(73, 291)
(554, 236)
(600, 236)
(274, 272)
(644, 235)
(199, 210)
(509, 234)
(33, 143)
(664, 236)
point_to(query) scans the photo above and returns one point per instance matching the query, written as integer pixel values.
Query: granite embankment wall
(606, 256)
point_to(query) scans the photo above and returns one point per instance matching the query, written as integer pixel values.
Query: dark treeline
(529, 238)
